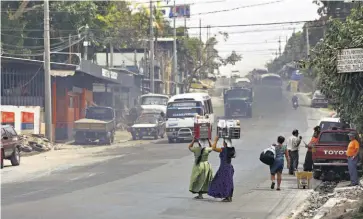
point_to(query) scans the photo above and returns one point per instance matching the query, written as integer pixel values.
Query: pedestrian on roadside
(202, 173)
(294, 144)
(352, 153)
(308, 164)
(222, 183)
(278, 165)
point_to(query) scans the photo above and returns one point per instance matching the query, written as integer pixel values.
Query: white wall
(17, 111)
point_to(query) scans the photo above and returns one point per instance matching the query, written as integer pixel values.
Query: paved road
(151, 181)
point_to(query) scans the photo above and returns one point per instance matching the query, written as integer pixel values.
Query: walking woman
(308, 164)
(202, 173)
(278, 165)
(222, 184)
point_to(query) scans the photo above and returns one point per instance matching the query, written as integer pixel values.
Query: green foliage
(199, 59)
(346, 90)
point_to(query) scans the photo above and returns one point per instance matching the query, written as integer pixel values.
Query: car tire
(317, 175)
(156, 136)
(15, 157)
(2, 158)
(162, 135)
(170, 140)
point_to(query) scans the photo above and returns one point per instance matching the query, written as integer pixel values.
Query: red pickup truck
(329, 155)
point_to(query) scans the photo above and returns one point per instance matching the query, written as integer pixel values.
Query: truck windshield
(329, 125)
(272, 81)
(183, 112)
(334, 137)
(99, 113)
(237, 93)
(153, 100)
(149, 119)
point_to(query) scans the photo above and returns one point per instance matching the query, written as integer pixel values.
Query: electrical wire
(237, 8)
(58, 49)
(41, 48)
(251, 25)
(30, 47)
(40, 38)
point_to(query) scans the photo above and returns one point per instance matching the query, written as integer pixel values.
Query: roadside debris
(327, 201)
(35, 143)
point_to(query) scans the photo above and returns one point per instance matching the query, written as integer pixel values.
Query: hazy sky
(257, 44)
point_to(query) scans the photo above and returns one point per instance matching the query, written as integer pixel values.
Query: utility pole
(85, 44)
(280, 46)
(70, 49)
(47, 79)
(207, 49)
(201, 46)
(175, 60)
(185, 26)
(152, 76)
(307, 41)
(111, 53)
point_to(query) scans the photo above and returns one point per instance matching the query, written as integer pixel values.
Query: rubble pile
(325, 192)
(35, 143)
(317, 199)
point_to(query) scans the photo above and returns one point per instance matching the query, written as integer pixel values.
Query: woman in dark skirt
(222, 183)
(308, 164)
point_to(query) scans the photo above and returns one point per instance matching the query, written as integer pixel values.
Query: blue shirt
(280, 151)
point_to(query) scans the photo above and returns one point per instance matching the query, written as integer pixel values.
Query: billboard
(350, 60)
(180, 11)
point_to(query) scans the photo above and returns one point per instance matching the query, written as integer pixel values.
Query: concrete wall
(25, 119)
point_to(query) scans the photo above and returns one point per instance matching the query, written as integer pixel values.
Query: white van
(152, 102)
(180, 114)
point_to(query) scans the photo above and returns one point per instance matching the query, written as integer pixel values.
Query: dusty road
(151, 181)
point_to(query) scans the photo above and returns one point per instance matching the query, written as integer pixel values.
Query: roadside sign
(350, 60)
(180, 11)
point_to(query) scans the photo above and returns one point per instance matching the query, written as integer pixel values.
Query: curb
(301, 207)
(325, 209)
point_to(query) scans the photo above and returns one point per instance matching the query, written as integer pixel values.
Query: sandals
(198, 197)
(227, 199)
(272, 185)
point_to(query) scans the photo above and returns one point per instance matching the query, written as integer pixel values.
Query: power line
(250, 25)
(39, 38)
(35, 47)
(58, 49)
(237, 8)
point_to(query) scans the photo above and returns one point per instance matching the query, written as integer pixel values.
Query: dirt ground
(62, 157)
(347, 210)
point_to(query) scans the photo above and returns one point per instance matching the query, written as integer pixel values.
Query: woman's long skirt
(222, 184)
(201, 178)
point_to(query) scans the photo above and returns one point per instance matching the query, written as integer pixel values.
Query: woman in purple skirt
(222, 183)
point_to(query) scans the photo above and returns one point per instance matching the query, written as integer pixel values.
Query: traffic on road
(181, 110)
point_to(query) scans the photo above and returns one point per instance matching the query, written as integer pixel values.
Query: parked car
(148, 125)
(319, 100)
(99, 124)
(329, 123)
(10, 145)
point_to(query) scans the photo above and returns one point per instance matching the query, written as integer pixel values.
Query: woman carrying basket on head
(222, 184)
(202, 173)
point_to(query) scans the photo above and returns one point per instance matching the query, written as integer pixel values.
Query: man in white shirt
(293, 144)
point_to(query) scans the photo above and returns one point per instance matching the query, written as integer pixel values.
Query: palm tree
(158, 19)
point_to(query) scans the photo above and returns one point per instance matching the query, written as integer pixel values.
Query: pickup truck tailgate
(325, 155)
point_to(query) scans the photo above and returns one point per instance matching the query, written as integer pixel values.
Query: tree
(346, 90)
(203, 57)
(22, 24)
